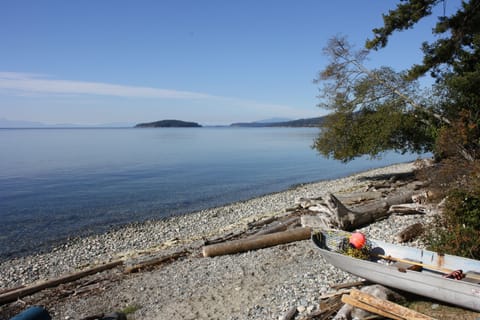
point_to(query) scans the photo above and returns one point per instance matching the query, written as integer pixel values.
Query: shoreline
(30, 235)
(211, 222)
(260, 284)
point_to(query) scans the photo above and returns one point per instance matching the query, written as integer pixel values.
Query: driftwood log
(326, 309)
(22, 292)
(336, 215)
(156, 261)
(408, 208)
(256, 242)
(281, 226)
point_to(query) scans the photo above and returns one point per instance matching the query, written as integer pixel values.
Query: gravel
(261, 284)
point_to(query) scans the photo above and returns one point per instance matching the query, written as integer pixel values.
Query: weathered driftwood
(349, 284)
(278, 223)
(326, 309)
(256, 242)
(357, 198)
(315, 221)
(365, 306)
(281, 226)
(337, 215)
(261, 223)
(22, 292)
(11, 289)
(389, 307)
(349, 311)
(156, 261)
(408, 208)
(334, 294)
(410, 232)
(226, 237)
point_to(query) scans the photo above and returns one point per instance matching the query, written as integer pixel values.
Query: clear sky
(213, 62)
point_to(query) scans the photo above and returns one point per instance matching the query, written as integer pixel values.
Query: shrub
(458, 229)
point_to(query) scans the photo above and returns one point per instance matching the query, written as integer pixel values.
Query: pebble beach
(260, 284)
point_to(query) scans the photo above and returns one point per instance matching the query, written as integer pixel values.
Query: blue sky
(213, 62)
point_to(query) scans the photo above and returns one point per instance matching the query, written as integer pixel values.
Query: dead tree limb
(281, 226)
(22, 292)
(156, 261)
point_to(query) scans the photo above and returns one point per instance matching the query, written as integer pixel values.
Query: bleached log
(226, 237)
(344, 218)
(349, 284)
(408, 208)
(155, 261)
(257, 242)
(307, 202)
(315, 221)
(357, 198)
(22, 292)
(281, 226)
(261, 223)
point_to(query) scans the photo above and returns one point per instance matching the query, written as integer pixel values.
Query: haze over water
(59, 183)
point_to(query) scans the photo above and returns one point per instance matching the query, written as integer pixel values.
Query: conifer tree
(378, 110)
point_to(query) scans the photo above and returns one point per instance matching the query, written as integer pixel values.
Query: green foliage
(407, 14)
(457, 230)
(378, 110)
(374, 110)
(453, 237)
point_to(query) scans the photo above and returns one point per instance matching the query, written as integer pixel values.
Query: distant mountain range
(6, 123)
(309, 122)
(273, 122)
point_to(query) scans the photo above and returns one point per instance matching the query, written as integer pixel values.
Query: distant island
(299, 123)
(168, 124)
(310, 122)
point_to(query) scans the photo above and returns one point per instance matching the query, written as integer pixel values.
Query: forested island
(310, 122)
(168, 124)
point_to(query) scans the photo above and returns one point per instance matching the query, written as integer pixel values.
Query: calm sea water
(58, 183)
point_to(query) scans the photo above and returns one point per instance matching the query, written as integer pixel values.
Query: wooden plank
(388, 306)
(22, 292)
(362, 305)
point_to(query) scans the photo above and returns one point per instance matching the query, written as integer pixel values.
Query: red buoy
(358, 240)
